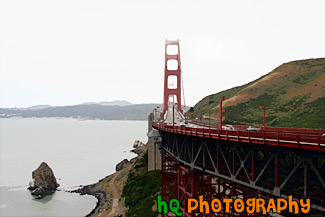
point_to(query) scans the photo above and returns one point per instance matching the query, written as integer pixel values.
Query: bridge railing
(214, 124)
(295, 130)
(275, 138)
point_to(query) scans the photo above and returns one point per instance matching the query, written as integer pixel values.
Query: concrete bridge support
(154, 141)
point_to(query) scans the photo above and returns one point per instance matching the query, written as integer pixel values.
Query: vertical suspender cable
(183, 93)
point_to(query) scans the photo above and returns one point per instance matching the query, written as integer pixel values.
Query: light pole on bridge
(157, 112)
(262, 106)
(173, 114)
(221, 99)
(154, 114)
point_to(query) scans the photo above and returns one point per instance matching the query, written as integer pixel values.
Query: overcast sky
(69, 52)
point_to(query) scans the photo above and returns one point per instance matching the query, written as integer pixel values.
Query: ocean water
(79, 153)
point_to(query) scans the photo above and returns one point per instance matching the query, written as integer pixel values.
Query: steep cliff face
(293, 94)
(124, 163)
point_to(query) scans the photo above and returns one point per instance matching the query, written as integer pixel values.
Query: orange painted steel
(284, 137)
(168, 91)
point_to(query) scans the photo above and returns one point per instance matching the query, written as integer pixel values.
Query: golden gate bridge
(210, 160)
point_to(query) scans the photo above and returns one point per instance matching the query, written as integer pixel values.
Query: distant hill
(293, 95)
(92, 111)
(37, 107)
(111, 103)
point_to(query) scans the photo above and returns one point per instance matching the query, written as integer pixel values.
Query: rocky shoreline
(44, 182)
(101, 193)
(97, 191)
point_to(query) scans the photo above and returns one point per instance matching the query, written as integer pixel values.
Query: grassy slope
(140, 189)
(293, 94)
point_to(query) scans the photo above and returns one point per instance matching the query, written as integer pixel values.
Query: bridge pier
(154, 141)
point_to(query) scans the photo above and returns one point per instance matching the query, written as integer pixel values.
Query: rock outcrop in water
(139, 147)
(43, 181)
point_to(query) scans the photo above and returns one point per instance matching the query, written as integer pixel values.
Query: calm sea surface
(79, 153)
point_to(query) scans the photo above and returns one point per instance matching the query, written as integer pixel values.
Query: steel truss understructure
(179, 181)
(191, 166)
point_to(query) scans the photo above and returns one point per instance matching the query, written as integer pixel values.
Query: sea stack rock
(43, 181)
(139, 147)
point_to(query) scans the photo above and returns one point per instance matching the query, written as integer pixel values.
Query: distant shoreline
(72, 118)
(84, 112)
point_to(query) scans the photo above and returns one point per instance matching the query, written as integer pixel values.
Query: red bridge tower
(170, 92)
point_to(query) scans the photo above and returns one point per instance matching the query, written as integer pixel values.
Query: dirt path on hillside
(117, 206)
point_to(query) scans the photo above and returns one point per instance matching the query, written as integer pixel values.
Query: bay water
(79, 153)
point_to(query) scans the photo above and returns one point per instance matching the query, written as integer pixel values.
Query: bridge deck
(311, 139)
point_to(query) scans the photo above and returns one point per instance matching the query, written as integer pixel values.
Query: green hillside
(293, 95)
(141, 188)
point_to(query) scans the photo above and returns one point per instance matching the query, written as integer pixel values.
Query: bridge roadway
(301, 138)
